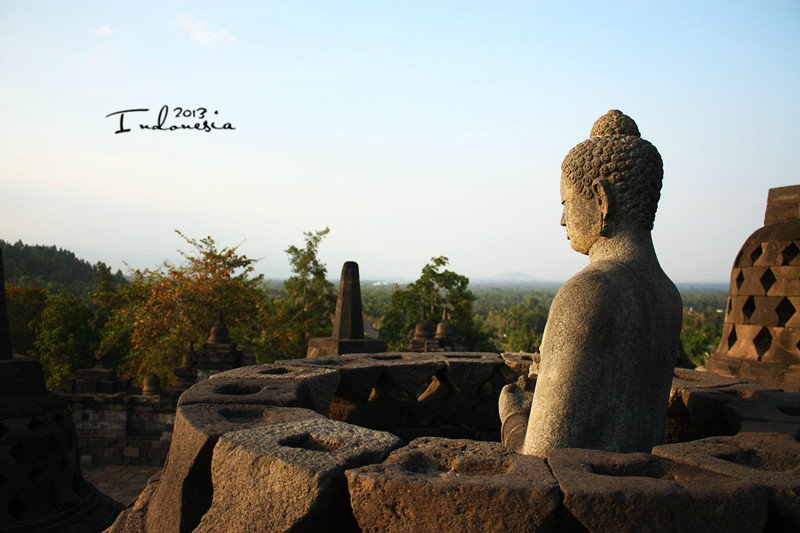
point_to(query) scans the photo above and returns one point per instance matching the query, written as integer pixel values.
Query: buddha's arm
(577, 339)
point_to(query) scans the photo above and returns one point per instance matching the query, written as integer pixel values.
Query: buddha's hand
(515, 409)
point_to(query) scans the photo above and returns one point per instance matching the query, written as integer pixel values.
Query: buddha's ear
(606, 197)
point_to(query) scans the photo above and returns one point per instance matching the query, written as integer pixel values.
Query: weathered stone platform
(317, 445)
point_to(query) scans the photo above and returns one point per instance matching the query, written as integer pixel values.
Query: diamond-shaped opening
(36, 474)
(755, 254)
(739, 280)
(730, 306)
(749, 307)
(762, 342)
(52, 446)
(54, 497)
(785, 312)
(789, 253)
(18, 452)
(732, 337)
(767, 280)
(16, 507)
(35, 425)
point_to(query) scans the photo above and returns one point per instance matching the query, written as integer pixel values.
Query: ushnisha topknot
(617, 153)
(615, 122)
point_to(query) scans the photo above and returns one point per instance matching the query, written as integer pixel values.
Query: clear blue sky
(412, 129)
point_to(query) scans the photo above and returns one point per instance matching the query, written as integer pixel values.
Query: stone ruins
(761, 336)
(41, 486)
(348, 321)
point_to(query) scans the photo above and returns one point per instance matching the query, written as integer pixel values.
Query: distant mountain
(515, 276)
(48, 267)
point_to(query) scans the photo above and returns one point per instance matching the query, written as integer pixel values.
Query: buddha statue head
(609, 182)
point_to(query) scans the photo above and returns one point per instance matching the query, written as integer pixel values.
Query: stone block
(285, 393)
(454, 485)
(639, 493)
(358, 374)
(290, 477)
(786, 410)
(686, 379)
(771, 460)
(705, 407)
(184, 493)
(320, 383)
(130, 451)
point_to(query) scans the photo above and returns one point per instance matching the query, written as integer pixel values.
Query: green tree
(311, 297)
(65, 340)
(436, 289)
(25, 306)
(162, 310)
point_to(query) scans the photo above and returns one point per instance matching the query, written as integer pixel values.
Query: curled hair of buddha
(617, 153)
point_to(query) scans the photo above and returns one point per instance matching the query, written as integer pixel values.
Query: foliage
(50, 268)
(162, 310)
(25, 306)
(65, 340)
(703, 317)
(311, 298)
(435, 290)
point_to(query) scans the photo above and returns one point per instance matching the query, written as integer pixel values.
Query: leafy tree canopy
(162, 310)
(51, 268)
(437, 289)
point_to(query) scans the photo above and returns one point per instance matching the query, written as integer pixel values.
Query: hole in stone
(18, 452)
(789, 253)
(730, 306)
(307, 441)
(749, 307)
(756, 253)
(242, 416)
(427, 390)
(767, 280)
(762, 342)
(527, 358)
(462, 355)
(791, 410)
(387, 356)
(785, 312)
(639, 469)
(35, 426)
(52, 446)
(739, 280)
(36, 474)
(16, 507)
(732, 337)
(236, 389)
(275, 371)
(762, 461)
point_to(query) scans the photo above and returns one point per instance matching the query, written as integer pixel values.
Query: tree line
(70, 314)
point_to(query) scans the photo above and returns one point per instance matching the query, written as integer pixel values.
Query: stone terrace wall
(277, 448)
(122, 428)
